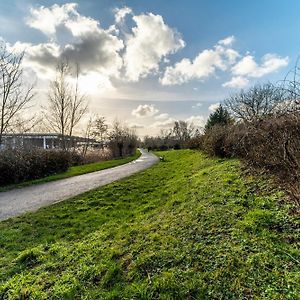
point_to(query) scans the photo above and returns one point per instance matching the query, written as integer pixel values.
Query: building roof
(45, 135)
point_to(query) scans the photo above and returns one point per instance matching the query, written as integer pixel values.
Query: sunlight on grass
(190, 227)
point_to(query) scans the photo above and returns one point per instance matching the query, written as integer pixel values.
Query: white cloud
(150, 42)
(163, 124)
(163, 116)
(78, 38)
(236, 82)
(220, 57)
(136, 126)
(48, 19)
(270, 63)
(227, 41)
(57, 19)
(213, 107)
(82, 39)
(197, 105)
(247, 68)
(197, 120)
(94, 82)
(121, 13)
(41, 58)
(144, 111)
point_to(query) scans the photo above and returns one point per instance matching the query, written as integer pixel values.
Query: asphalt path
(18, 201)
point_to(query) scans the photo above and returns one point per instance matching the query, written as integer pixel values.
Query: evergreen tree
(219, 117)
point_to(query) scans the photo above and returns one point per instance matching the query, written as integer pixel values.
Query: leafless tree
(183, 131)
(116, 138)
(100, 128)
(66, 104)
(78, 103)
(15, 95)
(24, 125)
(58, 111)
(87, 135)
(257, 102)
(123, 141)
(291, 87)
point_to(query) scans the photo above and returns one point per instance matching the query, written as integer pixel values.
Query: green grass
(191, 227)
(76, 170)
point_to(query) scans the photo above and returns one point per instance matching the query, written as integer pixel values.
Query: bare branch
(14, 94)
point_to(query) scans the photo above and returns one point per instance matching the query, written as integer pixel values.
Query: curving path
(31, 198)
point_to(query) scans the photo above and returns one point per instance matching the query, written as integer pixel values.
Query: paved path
(31, 198)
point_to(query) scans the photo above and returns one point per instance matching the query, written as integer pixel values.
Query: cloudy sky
(151, 62)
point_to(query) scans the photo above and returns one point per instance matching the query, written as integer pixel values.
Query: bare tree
(123, 141)
(100, 128)
(116, 138)
(78, 103)
(87, 135)
(291, 87)
(257, 102)
(66, 104)
(183, 131)
(58, 111)
(23, 125)
(14, 94)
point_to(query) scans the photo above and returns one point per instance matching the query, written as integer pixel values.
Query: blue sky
(162, 60)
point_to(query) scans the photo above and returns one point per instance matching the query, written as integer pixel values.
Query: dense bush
(122, 140)
(91, 155)
(271, 143)
(264, 131)
(96, 155)
(195, 142)
(213, 141)
(18, 165)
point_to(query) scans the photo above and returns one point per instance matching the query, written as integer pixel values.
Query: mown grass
(191, 227)
(76, 170)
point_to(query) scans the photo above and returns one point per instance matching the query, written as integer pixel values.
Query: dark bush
(195, 143)
(18, 165)
(271, 144)
(177, 146)
(213, 141)
(122, 140)
(163, 147)
(77, 159)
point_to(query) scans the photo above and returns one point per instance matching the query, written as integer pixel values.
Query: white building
(43, 140)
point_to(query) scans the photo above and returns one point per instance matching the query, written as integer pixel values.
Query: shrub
(274, 144)
(214, 139)
(195, 143)
(163, 147)
(18, 165)
(177, 146)
(271, 144)
(122, 140)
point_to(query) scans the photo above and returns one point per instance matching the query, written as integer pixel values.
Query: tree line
(261, 126)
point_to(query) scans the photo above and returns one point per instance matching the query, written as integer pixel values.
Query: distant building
(43, 140)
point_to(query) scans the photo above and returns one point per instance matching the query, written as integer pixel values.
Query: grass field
(191, 227)
(76, 170)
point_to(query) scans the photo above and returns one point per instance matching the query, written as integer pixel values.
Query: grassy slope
(76, 170)
(188, 228)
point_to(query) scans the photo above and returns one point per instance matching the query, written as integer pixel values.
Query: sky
(151, 62)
